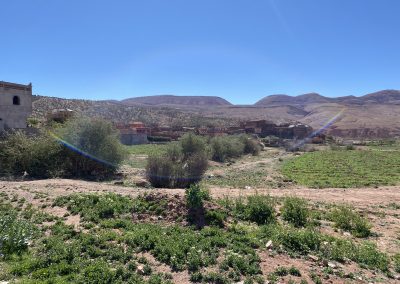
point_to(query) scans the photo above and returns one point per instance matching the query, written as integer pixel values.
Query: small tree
(92, 147)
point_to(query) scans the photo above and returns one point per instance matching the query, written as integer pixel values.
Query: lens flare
(320, 130)
(79, 151)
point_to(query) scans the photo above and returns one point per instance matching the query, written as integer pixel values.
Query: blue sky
(239, 50)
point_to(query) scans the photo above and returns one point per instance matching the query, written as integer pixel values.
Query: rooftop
(16, 86)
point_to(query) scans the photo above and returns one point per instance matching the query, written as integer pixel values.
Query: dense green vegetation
(109, 249)
(79, 148)
(344, 168)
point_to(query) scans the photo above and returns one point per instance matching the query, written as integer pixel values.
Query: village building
(15, 105)
(264, 128)
(133, 133)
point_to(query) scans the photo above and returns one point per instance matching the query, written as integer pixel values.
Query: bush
(182, 165)
(192, 145)
(93, 147)
(251, 146)
(295, 211)
(82, 148)
(39, 156)
(15, 233)
(226, 147)
(347, 219)
(195, 196)
(258, 209)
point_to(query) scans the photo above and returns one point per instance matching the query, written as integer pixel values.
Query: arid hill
(374, 115)
(207, 101)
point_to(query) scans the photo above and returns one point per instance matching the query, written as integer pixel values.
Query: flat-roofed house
(15, 105)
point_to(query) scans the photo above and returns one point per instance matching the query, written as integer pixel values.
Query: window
(16, 101)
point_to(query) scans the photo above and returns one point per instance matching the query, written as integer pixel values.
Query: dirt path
(57, 187)
(355, 196)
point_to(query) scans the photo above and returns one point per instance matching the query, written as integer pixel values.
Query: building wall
(14, 116)
(133, 138)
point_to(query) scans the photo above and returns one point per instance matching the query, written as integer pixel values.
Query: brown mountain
(305, 99)
(381, 97)
(172, 100)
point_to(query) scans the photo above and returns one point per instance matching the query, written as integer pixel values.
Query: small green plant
(295, 211)
(15, 233)
(195, 196)
(347, 219)
(257, 208)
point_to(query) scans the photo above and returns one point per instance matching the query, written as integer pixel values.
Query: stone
(313, 257)
(142, 183)
(269, 244)
(140, 269)
(332, 265)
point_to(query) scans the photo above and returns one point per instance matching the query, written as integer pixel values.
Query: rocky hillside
(118, 112)
(172, 100)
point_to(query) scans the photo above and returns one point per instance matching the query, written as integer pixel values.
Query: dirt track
(56, 187)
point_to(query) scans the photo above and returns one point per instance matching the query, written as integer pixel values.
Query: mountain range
(381, 97)
(375, 115)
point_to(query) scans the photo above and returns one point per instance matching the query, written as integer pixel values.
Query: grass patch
(344, 168)
(147, 149)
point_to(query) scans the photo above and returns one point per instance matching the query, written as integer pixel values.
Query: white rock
(269, 244)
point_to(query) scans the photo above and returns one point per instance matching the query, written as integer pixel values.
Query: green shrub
(192, 144)
(92, 146)
(251, 145)
(40, 156)
(295, 211)
(181, 165)
(368, 254)
(195, 195)
(215, 218)
(80, 148)
(257, 208)
(226, 147)
(347, 219)
(15, 233)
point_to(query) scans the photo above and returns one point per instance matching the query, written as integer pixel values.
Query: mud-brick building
(133, 133)
(15, 105)
(265, 128)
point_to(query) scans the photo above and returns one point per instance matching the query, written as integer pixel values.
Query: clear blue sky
(239, 50)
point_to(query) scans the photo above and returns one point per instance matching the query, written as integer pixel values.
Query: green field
(344, 168)
(147, 149)
(138, 154)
